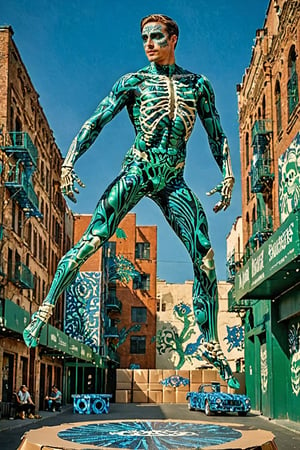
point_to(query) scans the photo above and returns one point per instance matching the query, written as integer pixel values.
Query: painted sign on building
(280, 249)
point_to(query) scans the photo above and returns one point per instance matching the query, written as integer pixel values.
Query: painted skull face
(295, 373)
(291, 172)
(159, 47)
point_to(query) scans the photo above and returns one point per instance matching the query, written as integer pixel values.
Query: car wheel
(190, 406)
(242, 413)
(207, 409)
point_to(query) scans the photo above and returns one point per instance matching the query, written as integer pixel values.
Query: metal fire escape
(22, 163)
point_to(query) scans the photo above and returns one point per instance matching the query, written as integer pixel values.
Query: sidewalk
(10, 424)
(288, 424)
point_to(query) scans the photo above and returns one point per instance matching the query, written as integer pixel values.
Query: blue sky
(75, 50)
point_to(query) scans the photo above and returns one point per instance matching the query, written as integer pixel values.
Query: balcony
(111, 332)
(263, 225)
(261, 128)
(235, 305)
(23, 192)
(232, 267)
(114, 357)
(21, 147)
(261, 175)
(112, 303)
(23, 277)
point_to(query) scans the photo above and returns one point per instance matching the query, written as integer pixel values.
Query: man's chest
(166, 94)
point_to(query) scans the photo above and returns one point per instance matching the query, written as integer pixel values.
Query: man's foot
(31, 416)
(211, 352)
(32, 332)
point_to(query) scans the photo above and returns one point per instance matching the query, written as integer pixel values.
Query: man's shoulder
(128, 80)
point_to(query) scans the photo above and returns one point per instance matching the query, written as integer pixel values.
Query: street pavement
(287, 433)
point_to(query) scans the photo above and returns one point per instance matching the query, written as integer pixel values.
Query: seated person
(25, 405)
(53, 401)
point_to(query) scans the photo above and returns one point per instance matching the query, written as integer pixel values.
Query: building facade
(127, 266)
(36, 229)
(266, 283)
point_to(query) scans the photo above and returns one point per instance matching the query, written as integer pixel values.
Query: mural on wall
(289, 178)
(235, 338)
(264, 368)
(294, 349)
(184, 345)
(82, 314)
(171, 340)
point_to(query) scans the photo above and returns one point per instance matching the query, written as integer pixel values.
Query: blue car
(211, 400)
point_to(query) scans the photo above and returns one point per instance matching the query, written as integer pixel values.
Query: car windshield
(211, 388)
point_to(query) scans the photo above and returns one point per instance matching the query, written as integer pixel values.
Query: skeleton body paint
(162, 101)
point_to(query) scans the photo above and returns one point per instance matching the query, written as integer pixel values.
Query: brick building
(266, 283)
(36, 229)
(128, 264)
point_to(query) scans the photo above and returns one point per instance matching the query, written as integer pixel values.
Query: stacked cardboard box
(145, 385)
(140, 386)
(124, 386)
(155, 393)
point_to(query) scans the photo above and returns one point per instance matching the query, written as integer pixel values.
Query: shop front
(269, 283)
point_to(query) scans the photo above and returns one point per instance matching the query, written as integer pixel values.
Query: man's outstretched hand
(68, 179)
(225, 189)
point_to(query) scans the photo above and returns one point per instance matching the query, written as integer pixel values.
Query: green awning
(57, 339)
(74, 348)
(86, 352)
(275, 266)
(14, 317)
(98, 360)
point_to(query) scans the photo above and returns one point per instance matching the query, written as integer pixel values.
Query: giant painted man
(163, 101)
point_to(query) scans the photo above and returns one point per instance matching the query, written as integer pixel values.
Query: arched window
(247, 148)
(18, 124)
(292, 85)
(248, 190)
(263, 106)
(259, 114)
(247, 224)
(278, 107)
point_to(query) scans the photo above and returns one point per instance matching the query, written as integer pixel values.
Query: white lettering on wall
(281, 242)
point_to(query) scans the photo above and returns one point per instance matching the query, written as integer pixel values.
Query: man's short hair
(171, 25)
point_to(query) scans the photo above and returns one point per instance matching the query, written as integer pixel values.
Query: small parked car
(212, 400)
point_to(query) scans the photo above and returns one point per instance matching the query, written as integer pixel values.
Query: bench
(91, 403)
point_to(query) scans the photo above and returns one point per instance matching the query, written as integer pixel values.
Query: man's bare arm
(218, 143)
(104, 113)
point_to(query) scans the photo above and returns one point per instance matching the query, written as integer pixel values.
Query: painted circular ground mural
(152, 435)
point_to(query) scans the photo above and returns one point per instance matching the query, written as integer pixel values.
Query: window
(138, 345)
(139, 314)
(142, 250)
(10, 264)
(248, 190)
(247, 148)
(292, 85)
(110, 249)
(278, 107)
(142, 282)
